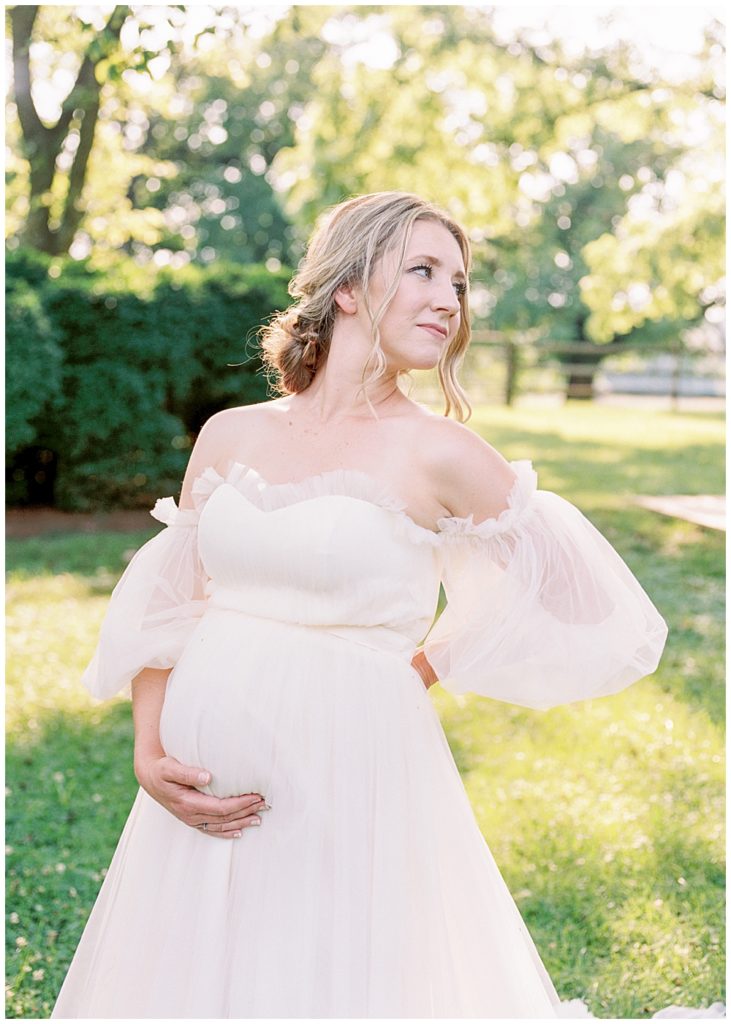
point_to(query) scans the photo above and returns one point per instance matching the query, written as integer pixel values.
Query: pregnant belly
(223, 707)
(281, 710)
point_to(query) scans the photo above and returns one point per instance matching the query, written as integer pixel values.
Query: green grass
(605, 817)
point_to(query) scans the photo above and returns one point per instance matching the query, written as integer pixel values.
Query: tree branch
(22, 19)
(101, 46)
(86, 96)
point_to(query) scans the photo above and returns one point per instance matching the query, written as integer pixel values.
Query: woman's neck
(334, 396)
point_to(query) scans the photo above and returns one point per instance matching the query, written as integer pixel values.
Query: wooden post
(675, 380)
(511, 370)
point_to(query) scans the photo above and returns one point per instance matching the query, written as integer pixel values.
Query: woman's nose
(446, 298)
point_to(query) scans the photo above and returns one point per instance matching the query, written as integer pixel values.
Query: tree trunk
(581, 363)
(42, 144)
(580, 371)
(511, 371)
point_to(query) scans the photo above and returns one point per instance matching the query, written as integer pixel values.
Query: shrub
(32, 365)
(143, 358)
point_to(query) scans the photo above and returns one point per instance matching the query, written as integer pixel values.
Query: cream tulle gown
(291, 613)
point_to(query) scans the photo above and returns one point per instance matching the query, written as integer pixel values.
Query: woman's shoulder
(451, 442)
(217, 442)
(471, 474)
(225, 419)
(225, 426)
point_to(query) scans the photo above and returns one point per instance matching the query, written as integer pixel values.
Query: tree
(220, 121)
(540, 153)
(72, 134)
(547, 156)
(182, 113)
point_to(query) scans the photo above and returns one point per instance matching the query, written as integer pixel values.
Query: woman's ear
(346, 299)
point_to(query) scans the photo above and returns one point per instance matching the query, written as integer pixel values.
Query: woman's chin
(424, 362)
(421, 360)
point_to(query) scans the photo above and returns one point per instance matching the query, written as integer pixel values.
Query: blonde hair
(347, 243)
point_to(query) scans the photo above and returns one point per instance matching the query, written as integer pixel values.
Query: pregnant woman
(277, 637)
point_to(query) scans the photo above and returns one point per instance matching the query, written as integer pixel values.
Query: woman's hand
(173, 786)
(424, 669)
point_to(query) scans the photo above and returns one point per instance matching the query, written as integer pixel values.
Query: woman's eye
(427, 272)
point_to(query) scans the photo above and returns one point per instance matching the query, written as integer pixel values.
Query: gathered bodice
(323, 559)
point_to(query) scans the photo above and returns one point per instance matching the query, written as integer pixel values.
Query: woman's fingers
(227, 807)
(185, 775)
(229, 830)
(216, 824)
(220, 809)
(174, 786)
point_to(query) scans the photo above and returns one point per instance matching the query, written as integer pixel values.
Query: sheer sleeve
(154, 607)
(541, 610)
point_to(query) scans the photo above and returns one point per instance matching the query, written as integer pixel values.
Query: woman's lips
(435, 330)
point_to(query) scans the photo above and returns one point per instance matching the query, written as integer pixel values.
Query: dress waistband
(377, 637)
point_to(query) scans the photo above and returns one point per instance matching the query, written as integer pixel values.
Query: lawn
(605, 817)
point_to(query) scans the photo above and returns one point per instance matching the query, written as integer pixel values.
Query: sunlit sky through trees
(668, 37)
(581, 146)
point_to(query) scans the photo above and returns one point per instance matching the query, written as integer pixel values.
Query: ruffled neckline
(353, 483)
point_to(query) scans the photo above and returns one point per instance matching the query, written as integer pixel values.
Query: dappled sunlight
(69, 787)
(675, 536)
(671, 944)
(49, 588)
(52, 628)
(600, 457)
(593, 811)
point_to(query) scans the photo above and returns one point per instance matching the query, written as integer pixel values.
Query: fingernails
(255, 821)
(264, 807)
(204, 778)
(237, 835)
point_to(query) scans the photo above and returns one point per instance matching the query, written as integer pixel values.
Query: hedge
(112, 373)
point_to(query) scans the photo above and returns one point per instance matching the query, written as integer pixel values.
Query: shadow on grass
(625, 922)
(568, 464)
(86, 555)
(70, 787)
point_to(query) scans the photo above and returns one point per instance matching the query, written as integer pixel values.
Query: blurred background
(164, 167)
(166, 164)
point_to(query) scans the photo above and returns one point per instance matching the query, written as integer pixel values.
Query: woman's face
(424, 314)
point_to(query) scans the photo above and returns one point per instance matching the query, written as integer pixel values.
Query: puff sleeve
(154, 607)
(541, 610)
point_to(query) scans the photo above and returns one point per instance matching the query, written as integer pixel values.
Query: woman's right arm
(172, 784)
(166, 780)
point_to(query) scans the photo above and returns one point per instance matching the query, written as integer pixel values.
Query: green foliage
(146, 358)
(32, 364)
(512, 134)
(677, 261)
(542, 295)
(179, 160)
(237, 116)
(605, 817)
(590, 183)
(565, 168)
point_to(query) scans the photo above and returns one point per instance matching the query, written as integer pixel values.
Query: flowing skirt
(367, 891)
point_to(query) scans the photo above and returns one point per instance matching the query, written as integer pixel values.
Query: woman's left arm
(541, 610)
